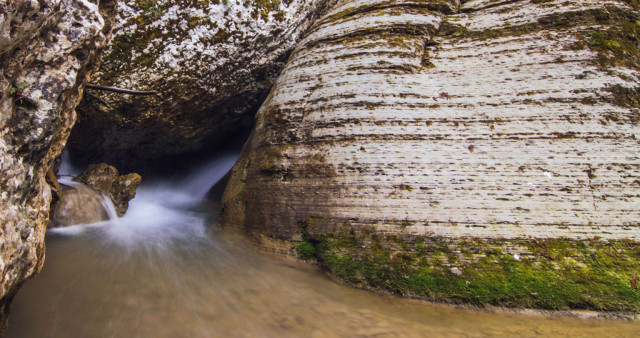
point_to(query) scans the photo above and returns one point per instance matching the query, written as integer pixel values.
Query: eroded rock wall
(212, 63)
(414, 146)
(47, 50)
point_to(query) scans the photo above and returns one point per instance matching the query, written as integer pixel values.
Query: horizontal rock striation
(432, 141)
(47, 50)
(212, 63)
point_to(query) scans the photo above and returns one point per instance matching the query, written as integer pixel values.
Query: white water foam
(161, 213)
(191, 188)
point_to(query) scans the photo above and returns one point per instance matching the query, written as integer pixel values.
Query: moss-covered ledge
(552, 274)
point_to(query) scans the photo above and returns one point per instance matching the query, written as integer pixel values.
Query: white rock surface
(212, 62)
(507, 127)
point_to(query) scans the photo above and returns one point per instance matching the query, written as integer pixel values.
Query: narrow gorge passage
(475, 152)
(164, 270)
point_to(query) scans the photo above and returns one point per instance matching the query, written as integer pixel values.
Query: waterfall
(66, 167)
(162, 211)
(106, 202)
(201, 181)
(190, 188)
(108, 206)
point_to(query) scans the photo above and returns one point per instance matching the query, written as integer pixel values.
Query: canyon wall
(483, 152)
(47, 51)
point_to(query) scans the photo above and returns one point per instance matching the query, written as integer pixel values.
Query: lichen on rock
(212, 62)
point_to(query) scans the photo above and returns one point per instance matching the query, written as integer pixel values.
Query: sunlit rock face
(212, 62)
(47, 50)
(405, 125)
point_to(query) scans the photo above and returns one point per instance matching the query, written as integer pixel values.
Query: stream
(163, 270)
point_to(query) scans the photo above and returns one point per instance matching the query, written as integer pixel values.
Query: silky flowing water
(163, 270)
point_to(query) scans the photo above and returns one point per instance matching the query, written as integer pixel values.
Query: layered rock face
(212, 63)
(483, 152)
(47, 50)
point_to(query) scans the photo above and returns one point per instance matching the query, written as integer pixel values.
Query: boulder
(497, 139)
(47, 51)
(212, 62)
(106, 179)
(78, 205)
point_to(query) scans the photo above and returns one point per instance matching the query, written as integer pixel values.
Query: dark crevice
(492, 5)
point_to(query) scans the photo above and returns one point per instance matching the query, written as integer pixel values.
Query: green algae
(607, 15)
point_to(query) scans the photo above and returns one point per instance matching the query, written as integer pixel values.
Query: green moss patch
(618, 45)
(527, 273)
(618, 38)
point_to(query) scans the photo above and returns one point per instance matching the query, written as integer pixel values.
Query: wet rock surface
(47, 50)
(212, 63)
(416, 138)
(106, 179)
(78, 205)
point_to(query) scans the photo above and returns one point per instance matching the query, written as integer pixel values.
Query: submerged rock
(47, 50)
(106, 179)
(212, 63)
(407, 140)
(78, 205)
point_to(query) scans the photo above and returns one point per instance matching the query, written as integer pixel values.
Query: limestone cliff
(47, 50)
(483, 152)
(212, 62)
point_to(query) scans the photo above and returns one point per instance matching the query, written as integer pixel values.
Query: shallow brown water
(160, 271)
(204, 285)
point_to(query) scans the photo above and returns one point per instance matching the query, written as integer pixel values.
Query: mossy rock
(554, 274)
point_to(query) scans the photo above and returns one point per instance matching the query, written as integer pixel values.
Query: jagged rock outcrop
(212, 62)
(47, 50)
(106, 179)
(486, 152)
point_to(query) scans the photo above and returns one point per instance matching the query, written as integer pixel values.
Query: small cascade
(68, 181)
(66, 167)
(202, 180)
(79, 205)
(106, 202)
(191, 188)
(162, 211)
(110, 208)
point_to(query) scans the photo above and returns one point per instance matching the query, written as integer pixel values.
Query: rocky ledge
(483, 152)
